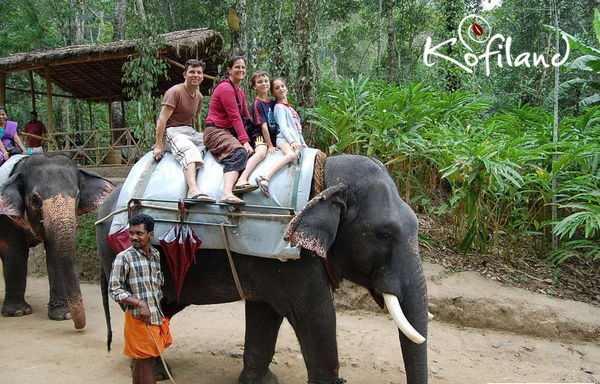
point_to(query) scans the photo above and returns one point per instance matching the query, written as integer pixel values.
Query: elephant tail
(104, 288)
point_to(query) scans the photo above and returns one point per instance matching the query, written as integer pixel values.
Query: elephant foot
(267, 377)
(16, 310)
(59, 310)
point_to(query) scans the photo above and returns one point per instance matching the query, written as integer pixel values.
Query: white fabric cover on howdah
(8, 166)
(256, 231)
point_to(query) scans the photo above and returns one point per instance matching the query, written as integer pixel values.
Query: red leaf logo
(477, 29)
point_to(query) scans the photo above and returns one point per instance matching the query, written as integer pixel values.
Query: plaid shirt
(135, 273)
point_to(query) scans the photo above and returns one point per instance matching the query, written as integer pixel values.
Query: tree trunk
(120, 17)
(307, 16)
(391, 44)
(379, 35)
(452, 12)
(243, 37)
(139, 5)
(117, 115)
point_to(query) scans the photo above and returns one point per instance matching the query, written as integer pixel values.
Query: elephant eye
(387, 232)
(36, 201)
(385, 235)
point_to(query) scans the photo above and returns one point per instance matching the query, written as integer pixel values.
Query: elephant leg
(262, 328)
(14, 259)
(315, 328)
(57, 303)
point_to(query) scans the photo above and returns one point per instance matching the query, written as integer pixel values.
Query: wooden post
(50, 108)
(110, 119)
(2, 88)
(91, 116)
(32, 85)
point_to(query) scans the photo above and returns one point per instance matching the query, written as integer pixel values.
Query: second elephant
(39, 203)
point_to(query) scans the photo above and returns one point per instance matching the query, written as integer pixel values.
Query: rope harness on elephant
(318, 184)
(236, 278)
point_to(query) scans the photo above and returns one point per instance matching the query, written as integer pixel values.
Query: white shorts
(186, 144)
(36, 149)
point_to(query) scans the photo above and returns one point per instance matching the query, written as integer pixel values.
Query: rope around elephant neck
(318, 184)
(160, 354)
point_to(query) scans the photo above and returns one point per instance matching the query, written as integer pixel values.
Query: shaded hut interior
(94, 72)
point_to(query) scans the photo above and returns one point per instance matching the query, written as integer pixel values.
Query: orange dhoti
(139, 343)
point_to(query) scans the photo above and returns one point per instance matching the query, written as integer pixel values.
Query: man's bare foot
(232, 199)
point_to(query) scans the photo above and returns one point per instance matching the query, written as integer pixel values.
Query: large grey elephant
(358, 228)
(40, 202)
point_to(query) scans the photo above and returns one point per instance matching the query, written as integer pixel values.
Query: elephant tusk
(430, 316)
(393, 306)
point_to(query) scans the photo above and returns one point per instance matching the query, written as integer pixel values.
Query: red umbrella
(120, 240)
(180, 244)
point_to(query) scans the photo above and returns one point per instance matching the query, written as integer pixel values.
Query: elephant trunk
(414, 306)
(60, 225)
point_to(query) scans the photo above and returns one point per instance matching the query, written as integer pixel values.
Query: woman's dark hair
(233, 59)
(142, 218)
(3, 108)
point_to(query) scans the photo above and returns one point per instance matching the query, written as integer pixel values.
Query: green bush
(87, 254)
(500, 166)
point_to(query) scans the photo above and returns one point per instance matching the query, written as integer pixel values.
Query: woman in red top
(225, 135)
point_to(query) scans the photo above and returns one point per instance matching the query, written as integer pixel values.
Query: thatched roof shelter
(94, 72)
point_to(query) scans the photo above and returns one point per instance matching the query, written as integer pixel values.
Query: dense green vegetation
(511, 156)
(498, 166)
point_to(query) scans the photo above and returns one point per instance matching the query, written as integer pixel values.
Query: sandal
(244, 188)
(202, 198)
(263, 184)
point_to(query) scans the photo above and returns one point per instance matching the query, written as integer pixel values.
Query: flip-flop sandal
(263, 184)
(232, 201)
(244, 188)
(202, 198)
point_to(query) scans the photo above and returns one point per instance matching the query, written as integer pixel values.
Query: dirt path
(208, 345)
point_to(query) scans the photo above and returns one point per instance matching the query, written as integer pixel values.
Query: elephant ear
(93, 190)
(11, 199)
(315, 227)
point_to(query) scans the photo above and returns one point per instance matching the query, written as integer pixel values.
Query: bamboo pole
(40, 93)
(50, 107)
(555, 128)
(177, 64)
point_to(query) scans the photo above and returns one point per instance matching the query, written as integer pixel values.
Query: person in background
(225, 134)
(264, 132)
(174, 129)
(36, 128)
(135, 282)
(10, 142)
(289, 139)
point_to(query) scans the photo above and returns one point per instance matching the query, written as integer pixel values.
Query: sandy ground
(208, 347)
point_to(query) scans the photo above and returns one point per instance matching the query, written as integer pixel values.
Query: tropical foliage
(499, 166)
